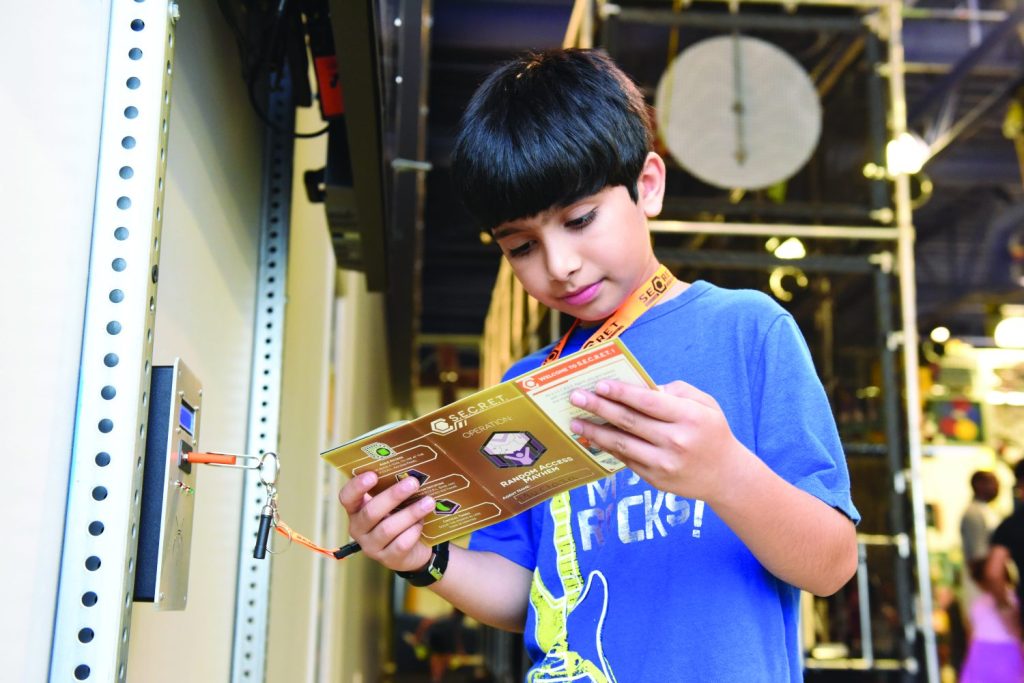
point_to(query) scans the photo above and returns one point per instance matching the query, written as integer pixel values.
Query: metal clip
(269, 467)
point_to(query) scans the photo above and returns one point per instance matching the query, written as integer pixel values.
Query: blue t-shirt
(635, 584)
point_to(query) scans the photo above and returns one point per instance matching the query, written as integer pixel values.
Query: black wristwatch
(434, 569)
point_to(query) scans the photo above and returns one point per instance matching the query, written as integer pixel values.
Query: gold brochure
(500, 451)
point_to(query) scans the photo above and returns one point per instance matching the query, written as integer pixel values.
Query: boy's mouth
(583, 296)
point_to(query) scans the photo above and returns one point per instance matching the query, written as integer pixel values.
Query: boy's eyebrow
(505, 231)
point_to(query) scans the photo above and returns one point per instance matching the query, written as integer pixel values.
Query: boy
(687, 565)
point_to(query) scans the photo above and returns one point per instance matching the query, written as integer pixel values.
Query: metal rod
(697, 19)
(894, 455)
(611, 8)
(855, 664)
(461, 340)
(895, 540)
(685, 208)
(842, 232)
(252, 588)
(754, 260)
(908, 309)
(866, 644)
(876, 120)
(95, 592)
(938, 68)
(950, 14)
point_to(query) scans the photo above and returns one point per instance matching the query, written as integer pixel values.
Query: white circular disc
(765, 140)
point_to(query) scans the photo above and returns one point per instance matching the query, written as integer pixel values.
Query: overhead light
(791, 248)
(907, 153)
(1009, 333)
(940, 335)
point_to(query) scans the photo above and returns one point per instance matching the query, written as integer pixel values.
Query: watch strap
(433, 571)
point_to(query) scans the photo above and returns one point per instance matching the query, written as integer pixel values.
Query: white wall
(51, 92)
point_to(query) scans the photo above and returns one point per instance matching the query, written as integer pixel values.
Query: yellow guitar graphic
(560, 663)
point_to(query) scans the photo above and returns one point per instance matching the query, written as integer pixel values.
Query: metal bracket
(252, 603)
(97, 573)
(885, 260)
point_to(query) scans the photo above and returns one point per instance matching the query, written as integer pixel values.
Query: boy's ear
(651, 185)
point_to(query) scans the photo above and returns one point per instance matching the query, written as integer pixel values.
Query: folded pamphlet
(500, 451)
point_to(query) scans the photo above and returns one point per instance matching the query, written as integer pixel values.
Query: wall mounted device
(168, 491)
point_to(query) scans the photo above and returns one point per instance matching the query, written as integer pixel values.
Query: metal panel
(248, 660)
(100, 536)
(168, 488)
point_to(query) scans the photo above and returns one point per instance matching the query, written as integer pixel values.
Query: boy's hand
(387, 535)
(676, 438)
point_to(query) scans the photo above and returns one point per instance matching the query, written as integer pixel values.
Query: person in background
(994, 654)
(976, 525)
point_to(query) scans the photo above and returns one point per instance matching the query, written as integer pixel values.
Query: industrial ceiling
(964, 68)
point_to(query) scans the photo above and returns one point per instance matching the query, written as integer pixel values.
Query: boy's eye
(583, 221)
(521, 250)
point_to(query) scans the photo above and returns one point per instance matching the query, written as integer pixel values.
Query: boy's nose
(562, 262)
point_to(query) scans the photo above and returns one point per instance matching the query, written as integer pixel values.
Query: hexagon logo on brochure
(513, 449)
(440, 426)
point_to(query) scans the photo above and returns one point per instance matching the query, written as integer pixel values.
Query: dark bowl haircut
(548, 129)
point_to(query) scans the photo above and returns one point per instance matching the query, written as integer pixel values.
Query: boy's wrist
(432, 571)
(737, 466)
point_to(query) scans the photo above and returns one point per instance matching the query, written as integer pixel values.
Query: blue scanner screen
(187, 418)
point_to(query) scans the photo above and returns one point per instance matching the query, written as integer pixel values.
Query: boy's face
(586, 258)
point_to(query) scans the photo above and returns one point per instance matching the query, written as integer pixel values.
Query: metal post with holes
(94, 597)
(908, 318)
(248, 659)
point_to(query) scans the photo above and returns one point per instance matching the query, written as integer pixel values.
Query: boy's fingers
(618, 413)
(400, 525)
(631, 449)
(353, 494)
(644, 399)
(385, 502)
(681, 389)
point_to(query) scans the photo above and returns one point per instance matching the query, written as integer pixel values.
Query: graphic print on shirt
(641, 514)
(586, 661)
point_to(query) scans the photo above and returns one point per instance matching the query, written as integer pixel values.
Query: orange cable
(211, 458)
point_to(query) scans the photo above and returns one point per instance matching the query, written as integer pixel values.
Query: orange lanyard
(635, 305)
